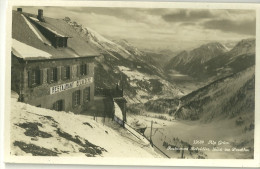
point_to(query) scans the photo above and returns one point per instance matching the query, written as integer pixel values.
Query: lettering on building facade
(70, 85)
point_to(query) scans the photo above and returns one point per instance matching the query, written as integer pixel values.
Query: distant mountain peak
(213, 46)
(245, 46)
(200, 55)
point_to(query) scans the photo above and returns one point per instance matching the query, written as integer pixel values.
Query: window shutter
(70, 72)
(86, 69)
(58, 73)
(54, 106)
(86, 94)
(73, 99)
(78, 70)
(41, 76)
(54, 74)
(49, 75)
(63, 73)
(63, 104)
(80, 96)
(30, 78)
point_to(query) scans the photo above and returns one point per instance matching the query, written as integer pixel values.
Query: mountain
(229, 44)
(239, 58)
(121, 62)
(99, 42)
(199, 55)
(214, 60)
(245, 46)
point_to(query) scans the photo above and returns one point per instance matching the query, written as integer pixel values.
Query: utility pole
(151, 133)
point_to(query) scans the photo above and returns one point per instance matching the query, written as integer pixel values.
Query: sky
(161, 28)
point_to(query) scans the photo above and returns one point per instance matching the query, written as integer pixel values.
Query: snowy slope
(129, 47)
(98, 41)
(41, 132)
(228, 97)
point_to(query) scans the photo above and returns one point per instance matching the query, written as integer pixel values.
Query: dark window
(86, 94)
(52, 75)
(58, 105)
(65, 72)
(34, 77)
(76, 98)
(61, 42)
(83, 69)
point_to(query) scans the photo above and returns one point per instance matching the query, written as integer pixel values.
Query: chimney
(19, 10)
(40, 15)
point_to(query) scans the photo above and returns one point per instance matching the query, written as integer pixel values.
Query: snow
(99, 37)
(23, 50)
(105, 44)
(55, 32)
(35, 19)
(118, 111)
(99, 134)
(32, 28)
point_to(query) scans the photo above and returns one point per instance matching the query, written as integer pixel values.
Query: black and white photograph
(132, 82)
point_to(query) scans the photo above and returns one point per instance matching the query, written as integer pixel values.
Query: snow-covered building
(52, 65)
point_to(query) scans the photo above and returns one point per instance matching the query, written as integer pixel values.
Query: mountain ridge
(212, 64)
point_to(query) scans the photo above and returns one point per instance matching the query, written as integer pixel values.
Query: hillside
(121, 62)
(41, 132)
(228, 97)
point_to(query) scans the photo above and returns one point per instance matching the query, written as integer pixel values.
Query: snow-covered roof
(25, 51)
(25, 29)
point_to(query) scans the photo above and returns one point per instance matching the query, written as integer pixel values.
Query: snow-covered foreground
(42, 132)
(167, 131)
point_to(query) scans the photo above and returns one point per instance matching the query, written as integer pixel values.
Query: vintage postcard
(132, 83)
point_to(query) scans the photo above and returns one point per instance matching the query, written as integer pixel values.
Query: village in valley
(75, 92)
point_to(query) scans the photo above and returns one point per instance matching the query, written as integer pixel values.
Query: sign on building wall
(70, 85)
